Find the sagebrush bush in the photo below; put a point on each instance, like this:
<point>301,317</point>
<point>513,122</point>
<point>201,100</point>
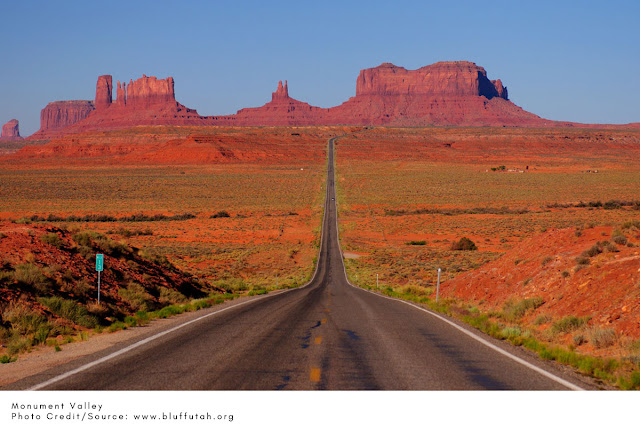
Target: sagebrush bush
<point>136,296</point>
<point>514,310</point>
<point>52,239</point>
<point>464,244</point>
<point>568,324</point>
<point>87,239</point>
<point>220,214</point>
<point>31,275</point>
<point>542,319</point>
<point>602,337</point>
<point>169,296</point>
<point>620,240</point>
<point>23,320</point>
<point>70,310</point>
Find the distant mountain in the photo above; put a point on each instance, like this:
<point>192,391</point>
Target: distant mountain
<point>453,93</point>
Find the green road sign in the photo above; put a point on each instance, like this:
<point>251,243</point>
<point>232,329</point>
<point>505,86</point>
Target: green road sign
<point>99,262</point>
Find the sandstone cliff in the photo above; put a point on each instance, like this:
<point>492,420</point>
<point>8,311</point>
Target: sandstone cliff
<point>447,79</point>
<point>104,89</point>
<point>281,93</point>
<point>453,93</point>
<point>61,114</point>
<point>148,91</point>
<point>11,131</point>
<point>121,99</point>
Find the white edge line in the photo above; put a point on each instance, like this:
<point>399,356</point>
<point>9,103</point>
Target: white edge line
<point>182,325</point>
<point>492,346</point>
<point>140,343</point>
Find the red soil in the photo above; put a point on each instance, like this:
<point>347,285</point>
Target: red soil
<point>22,244</point>
<point>184,145</point>
<point>608,289</point>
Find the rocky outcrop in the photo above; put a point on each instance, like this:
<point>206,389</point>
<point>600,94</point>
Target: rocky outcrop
<point>61,114</point>
<point>501,90</point>
<point>281,111</point>
<point>121,99</point>
<point>149,91</point>
<point>11,131</point>
<point>454,93</point>
<point>104,89</point>
<point>444,79</point>
<point>281,93</point>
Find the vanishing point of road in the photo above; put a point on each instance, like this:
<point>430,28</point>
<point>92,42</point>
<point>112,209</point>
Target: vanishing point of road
<point>327,335</point>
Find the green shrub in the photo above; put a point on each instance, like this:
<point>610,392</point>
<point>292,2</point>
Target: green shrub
<point>200,304</point>
<point>581,260</point>
<point>142,318</point>
<point>7,359</point>
<point>579,339</point>
<point>513,310</point>
<point>568,324</point>
<point>511,332</point>
<point>70,310</point>
<point>416,290</point>
<point>131,321</point>
<point>31,275</point>
<point>170,310</point>
<point>620,240</point>
<point>417,243</point>
<point>18,344</point>
<point>598,248</point>
<point>88,239</point>
<point>546,260</point>
<point>169,296</point>
<point>542,319</point>
<point>42,334</point>
<point>220,214</point>
<point>631,224</point>
<point>464,244</point>
<point>154,257</point>
<point>52,239</point>
<point>602,338</point>
<point>136,296</point>
<point>117,326</point>
<point>23,320</point>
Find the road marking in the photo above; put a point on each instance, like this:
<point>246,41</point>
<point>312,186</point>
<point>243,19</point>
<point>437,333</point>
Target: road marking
<point>318,340</point>
<point>145,341</point>
<point>314,376</point>
<point>168,331</point>
<point>492,346</point>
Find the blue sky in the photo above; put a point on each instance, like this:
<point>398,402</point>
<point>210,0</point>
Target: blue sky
<point>577,61</point>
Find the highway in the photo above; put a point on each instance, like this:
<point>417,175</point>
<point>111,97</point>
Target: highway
<point>327,335</point>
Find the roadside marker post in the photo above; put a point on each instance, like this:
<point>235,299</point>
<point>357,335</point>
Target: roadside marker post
<point>377,282</point>
<point>438,286</point>
<point>99,268</point>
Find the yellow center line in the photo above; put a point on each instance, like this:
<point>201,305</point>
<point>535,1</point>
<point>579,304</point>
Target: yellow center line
<point>315,375</point>
<point>318,340</point>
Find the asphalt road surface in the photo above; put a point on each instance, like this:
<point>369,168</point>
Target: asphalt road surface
<point>325,335</point>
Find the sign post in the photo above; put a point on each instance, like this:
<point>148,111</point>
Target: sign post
<point>99,268</point>
<point>438,287</point>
